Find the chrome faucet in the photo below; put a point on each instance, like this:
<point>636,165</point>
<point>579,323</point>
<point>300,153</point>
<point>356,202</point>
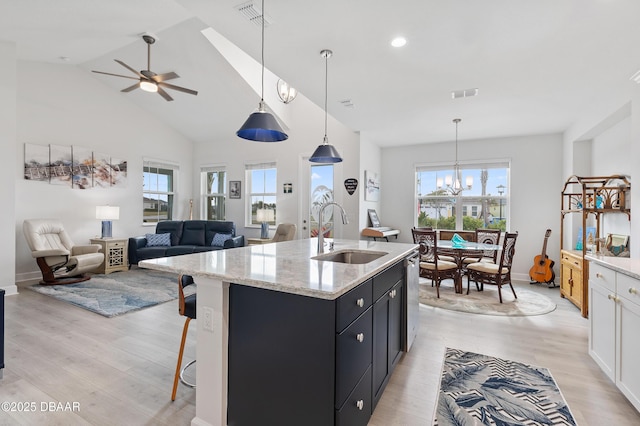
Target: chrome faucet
<point>345,220</point>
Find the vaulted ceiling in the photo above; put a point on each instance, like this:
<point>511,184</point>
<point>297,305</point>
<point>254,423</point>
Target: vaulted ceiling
<point>539,65</point>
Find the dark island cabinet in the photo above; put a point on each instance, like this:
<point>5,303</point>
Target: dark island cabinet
<point>298,360</point>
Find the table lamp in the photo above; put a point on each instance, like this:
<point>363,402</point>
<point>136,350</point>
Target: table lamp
<point>107,214</point>
<point>265,216</point>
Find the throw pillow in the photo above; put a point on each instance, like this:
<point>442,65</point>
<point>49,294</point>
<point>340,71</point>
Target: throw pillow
<point>219,239</point>
<point>157,240</point>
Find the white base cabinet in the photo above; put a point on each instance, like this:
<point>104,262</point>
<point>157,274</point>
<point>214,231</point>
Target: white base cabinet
<point>614,315</point>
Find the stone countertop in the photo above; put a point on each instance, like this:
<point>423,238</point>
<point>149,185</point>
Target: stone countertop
<point>286,266</point>
<point>624,265</point>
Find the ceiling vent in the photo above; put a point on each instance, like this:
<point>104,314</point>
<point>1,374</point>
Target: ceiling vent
<point>466,93</point>
<point>252,13</point>
<point>347,103</point>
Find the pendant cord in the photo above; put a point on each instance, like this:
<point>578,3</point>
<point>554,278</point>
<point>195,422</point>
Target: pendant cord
<point>262,58</point>
<point>326,90</point>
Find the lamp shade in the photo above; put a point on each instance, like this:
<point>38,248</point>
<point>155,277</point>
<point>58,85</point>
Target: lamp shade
<point>325,153</point>
<point>107,212</point>
<point>261,126</point>
<point>265,215</point>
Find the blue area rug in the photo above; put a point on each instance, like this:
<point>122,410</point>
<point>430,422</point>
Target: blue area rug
<point>116,293</point>
<point>480,389</point>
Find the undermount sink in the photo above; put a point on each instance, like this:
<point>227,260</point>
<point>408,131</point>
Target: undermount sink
<point>354,257</point>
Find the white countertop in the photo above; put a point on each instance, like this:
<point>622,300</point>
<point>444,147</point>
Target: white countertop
<point>624,265</point>
<point>286,266</point>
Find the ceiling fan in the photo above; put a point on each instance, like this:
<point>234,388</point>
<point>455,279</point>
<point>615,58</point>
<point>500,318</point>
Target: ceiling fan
<point>148,80</point>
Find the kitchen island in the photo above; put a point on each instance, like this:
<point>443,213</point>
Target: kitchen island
<point>286,339</point>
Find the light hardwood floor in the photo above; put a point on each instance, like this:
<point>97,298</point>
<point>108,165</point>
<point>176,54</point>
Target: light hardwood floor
<point>120,370</point>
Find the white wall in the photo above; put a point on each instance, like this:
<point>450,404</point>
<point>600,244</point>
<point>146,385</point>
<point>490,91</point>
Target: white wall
<point>8,169</point>
<point>536,178</point>
<point>371,160</point>
<point>306,131</point>
<point>65,105</point>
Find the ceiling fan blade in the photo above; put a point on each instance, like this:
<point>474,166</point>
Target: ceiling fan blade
<point>115,75</point>
<point>164,94</point>
<point>129,68</point>
<point>130,88</point>
<point>166,76</point>
<point>178,88</point>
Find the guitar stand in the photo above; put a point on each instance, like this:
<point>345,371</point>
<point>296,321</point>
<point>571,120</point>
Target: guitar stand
<point>550,284</point>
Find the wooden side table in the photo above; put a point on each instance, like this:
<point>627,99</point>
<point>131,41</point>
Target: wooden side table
<point>253,241</point>
<point>115,254</point>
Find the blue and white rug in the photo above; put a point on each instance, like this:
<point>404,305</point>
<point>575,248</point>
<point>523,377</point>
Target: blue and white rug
<point>480,389</point>
<point>116,293</point>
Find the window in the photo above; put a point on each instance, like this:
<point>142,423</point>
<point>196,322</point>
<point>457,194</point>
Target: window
<point>321,191</point>
<point>213,183</point>
<point>485,205</point>
<point>158,190</point>
<point>261,191</point>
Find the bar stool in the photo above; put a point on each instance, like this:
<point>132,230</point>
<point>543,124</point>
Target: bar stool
<point>187,308</point>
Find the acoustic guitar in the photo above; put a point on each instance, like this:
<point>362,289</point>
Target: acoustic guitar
<point>542,269</point>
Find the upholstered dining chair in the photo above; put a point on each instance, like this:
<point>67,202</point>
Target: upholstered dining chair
<point>59,260</point>
<point>284,232</point>
<point>186,308</point>
<point>484,236</point>
<point>430,266</point>
<point>495,273</point>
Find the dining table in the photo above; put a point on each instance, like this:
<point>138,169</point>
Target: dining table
<point>462,250</point>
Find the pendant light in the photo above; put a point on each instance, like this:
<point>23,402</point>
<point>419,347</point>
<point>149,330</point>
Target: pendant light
<point>454,183</point>
<point>325,153</point>
<point>261,126</point>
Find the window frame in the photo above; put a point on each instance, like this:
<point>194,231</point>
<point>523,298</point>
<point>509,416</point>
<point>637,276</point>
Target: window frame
<point>205,171</point>
<point>147,165</point>
<point>456,204</point>
<point>250,168</point>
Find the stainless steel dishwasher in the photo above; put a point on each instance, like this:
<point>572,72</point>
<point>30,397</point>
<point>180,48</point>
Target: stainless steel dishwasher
<point>412,303</point>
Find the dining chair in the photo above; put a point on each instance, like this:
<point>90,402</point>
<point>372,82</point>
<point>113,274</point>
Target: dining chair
<point>484,236</point>
<point>430,266</point>
<point>284,232</point>
<point>495,273</point>
<point>186,308</point>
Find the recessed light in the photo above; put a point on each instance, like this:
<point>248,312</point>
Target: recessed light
<point>398,42</point>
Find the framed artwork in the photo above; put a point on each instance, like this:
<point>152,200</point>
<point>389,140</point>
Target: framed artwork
<point>118,170</point>
<point>235,187</point>
<point>101,170</point>
<point>372,186</point>
<point>373,217</point>
<point>81,165</point>
<point>60,165</point>
<point>36,162</point>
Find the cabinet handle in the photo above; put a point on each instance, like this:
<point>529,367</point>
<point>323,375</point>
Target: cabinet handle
<point>393,293</point>
<point>360,404</point>
<point>612,297</point>
<point>360,302</point>
<point>599,275</point>
<point>633,290</point>
<point>360,337</point>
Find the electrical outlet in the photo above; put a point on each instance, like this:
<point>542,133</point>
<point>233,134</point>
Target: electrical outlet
<point>207,317</point>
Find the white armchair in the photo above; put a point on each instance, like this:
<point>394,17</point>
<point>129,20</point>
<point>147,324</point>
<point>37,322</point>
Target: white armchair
<point>60,261</point>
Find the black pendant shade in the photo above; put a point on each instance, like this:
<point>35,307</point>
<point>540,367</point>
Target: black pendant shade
<point>325,153</point>
<point>261,126</point>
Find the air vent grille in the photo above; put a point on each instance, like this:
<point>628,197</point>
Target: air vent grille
<point>466,93</point>
<point>253,14</point>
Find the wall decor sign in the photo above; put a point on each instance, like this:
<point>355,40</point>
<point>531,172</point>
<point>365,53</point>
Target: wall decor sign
<point>372,186</point>
<point>73,166</point>
<point>350,185</point>
<point>287,188</point>
<point>235,187</point>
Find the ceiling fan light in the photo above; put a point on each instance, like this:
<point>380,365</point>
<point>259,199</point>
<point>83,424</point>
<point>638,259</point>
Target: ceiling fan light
<point>149,86</point>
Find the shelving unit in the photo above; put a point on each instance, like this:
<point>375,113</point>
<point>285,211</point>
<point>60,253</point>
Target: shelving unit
<point>587,196</point>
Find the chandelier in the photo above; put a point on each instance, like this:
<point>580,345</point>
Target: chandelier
<point>453,184</point>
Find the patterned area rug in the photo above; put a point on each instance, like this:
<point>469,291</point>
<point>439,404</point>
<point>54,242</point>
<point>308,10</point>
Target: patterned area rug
<point>485,302</point>
<point>480,389</point>
<point>116,293</point>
